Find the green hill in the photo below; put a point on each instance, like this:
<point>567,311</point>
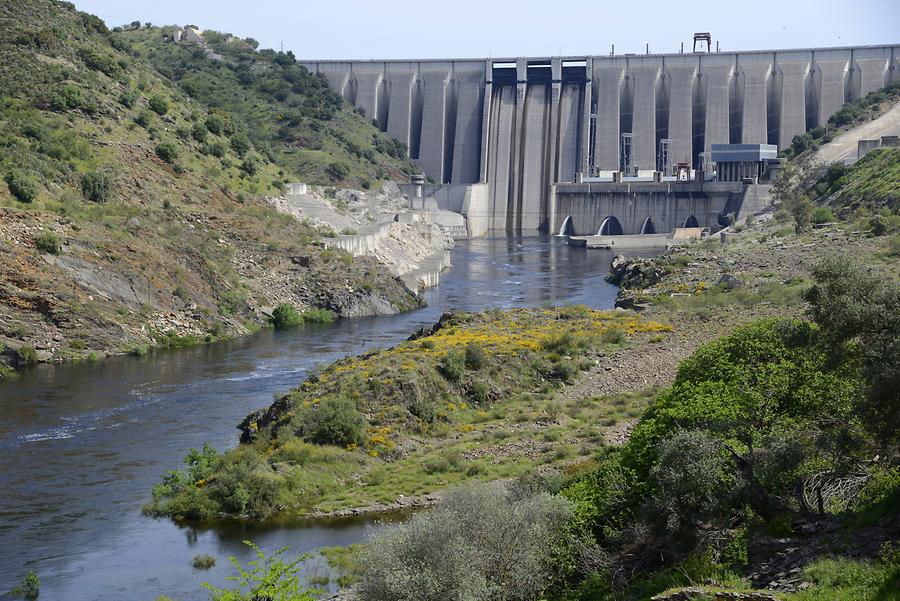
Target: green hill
<point>132,214</point>
<point>289,114</point>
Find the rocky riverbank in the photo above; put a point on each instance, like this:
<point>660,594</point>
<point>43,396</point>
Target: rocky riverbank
<point>131,280</point>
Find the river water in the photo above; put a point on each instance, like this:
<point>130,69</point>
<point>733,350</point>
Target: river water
<point>81,445</point>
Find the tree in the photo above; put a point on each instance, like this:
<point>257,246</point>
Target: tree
<point>802,210</point>
<point>856,310</point>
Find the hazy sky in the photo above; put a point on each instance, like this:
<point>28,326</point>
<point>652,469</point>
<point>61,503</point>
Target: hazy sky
<point>489,28</point>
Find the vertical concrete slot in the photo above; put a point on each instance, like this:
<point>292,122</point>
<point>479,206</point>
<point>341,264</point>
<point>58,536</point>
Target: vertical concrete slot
<point>415,119</point>
<point>663,101</point>
<point>736,108</point>
<point>773,105</point>
<point>382,104</point>
<point>452,104</point>
<point>698,109</point>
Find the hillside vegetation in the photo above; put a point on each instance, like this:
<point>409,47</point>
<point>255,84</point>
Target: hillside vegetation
<point>131,214</point>
<point>289,114</point>
<point>471,399</point>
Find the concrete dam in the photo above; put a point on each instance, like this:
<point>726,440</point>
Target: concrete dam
<point>522,125</point>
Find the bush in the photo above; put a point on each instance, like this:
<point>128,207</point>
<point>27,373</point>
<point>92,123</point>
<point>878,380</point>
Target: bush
<point>476,358</point>
<point>97,186</point>
<point>337,171</point>
<point>158,104</point>
<point>167,151</point>
<point>802,210</point>
<point>692,479</point>
<point>483,542</point>
<point>21,186</point>
<point>215,124</point>
<point>129,97</point>
<point>199,132</point>
<point>822,215</point>
<point>216,149</point>
<point>335,420</point>
<point>879,225</point>
<point>203,561</point>
<point>856,310</point>
<point>144,118</point>
<point>453,366</point>
<point>49,243</point>
<point>285,316</point>
<point>240,144</point>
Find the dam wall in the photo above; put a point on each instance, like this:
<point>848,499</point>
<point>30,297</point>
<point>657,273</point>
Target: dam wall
<point>644,208</point>
<point>521,125</point>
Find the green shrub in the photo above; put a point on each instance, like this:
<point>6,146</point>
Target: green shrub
<point>337,171</point>
<point>240,144</point>
<point>250,165</point>
<point>129,97</point>
<point>285,316</point>
<point>879,225</point>
<point>21,186</point>
<point>483,542</point>
<point>476,358</point>
<point>453,366</point>
<point>199,132</point>
<point>216,149</point>
<point>144,118</point>
<point>203,561</point>
<point>802,210</point>
<point>167,151</point>
<point>822,215</point>
<point>158,104</point>
<point>96,186</point>
<point>334,421</point>
<point>266,577</point>
<point>215,124</point>
<point>49,243</point>
<point>692,480</point>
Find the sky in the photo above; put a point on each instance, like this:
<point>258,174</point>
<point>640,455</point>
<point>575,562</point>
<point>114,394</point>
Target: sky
<point>343,29</point>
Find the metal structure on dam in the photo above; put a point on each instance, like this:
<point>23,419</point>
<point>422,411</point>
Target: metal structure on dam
<point>521,125</point>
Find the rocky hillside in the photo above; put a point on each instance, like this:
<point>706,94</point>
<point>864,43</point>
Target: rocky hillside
<point>132,216</point>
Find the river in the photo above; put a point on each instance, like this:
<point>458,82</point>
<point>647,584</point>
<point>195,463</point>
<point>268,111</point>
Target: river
<point>82,444</point>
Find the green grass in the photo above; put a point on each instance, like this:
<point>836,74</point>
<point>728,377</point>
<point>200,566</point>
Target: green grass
<point>842,579</point>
